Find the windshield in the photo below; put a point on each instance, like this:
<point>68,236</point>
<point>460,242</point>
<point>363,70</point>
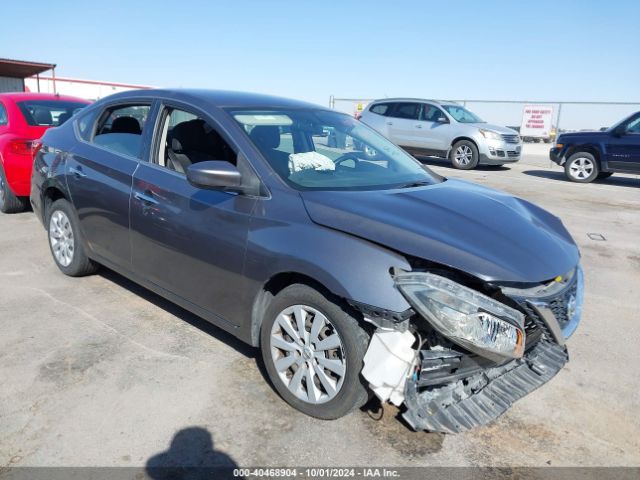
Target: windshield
<point>49,113</point>
<point>461,114</point>
<point>324,150</point>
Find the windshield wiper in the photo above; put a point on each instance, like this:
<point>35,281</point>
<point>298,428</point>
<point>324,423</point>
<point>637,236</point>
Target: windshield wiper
<point>420,183</point>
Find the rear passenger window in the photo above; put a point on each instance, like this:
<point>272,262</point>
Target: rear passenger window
<point>380,109</point>
<point>406,110</point>
<point>120,129</point>
<point>85,124</point>
<point>185,139</point>
<point>3,115</point>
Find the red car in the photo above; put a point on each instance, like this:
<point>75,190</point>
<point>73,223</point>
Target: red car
<point>23,119</point>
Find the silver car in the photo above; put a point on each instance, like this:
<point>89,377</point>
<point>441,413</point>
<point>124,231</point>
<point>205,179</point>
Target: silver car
<point>443,129</point>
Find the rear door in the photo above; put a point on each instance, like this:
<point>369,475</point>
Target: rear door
<point>99,173</point>
<point>402,121</point>
<point>623,151</point>
<point>187,240</point>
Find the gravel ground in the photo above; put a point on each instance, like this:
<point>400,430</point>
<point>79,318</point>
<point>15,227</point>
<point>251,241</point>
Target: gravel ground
<point>99,372</point>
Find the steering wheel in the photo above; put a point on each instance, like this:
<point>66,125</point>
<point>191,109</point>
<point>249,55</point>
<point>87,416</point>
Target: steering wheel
<point>346,156</point>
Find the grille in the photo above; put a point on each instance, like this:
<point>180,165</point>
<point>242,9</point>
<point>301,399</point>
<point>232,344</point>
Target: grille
<point>560,305</point>
<point>534,328</point>
<point>513,153</point>
<point>511,138</point>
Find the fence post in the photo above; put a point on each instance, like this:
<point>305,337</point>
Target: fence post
<point>558,120</point>
<point>332,102</point>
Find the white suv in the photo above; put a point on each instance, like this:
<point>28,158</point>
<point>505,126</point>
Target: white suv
<point>443,129</point>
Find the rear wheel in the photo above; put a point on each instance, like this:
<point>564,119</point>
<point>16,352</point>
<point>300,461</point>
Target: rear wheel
<point>65,240</point>
<point>313,350</point>
<point>464,155</point>
<point>9,202</point>
<point>581,167</point>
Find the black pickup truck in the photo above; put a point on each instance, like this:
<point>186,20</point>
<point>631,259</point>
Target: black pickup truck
<point>590,155</point>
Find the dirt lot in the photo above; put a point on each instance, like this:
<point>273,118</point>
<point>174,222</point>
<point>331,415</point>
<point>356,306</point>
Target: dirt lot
<point>97,371</point>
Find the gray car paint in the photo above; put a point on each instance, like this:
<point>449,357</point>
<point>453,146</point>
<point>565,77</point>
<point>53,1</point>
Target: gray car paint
<point>213,252</point>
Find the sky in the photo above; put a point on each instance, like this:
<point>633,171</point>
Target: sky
<point>579,50</point>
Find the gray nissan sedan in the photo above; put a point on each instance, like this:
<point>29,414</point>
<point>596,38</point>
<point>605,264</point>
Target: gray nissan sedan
<point>354,268</point>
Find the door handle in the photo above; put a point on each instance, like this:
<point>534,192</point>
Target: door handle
<point>77,172</point>
<point>146,197</point>
<point>389,123</point>
<point>419,125</point>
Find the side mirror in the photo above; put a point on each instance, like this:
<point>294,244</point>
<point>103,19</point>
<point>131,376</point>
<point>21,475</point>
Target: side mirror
<point>620,130</point>
<point>214,174</point>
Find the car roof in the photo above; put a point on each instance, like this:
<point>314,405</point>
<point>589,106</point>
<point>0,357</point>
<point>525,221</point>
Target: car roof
<point>217,98</point>
<point>408,99</point>
<point>22,96</point>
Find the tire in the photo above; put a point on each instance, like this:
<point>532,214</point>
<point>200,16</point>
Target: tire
<point>582,167</point>
<point>349,392</point>
<point>66,242</point>
<point>464,155</point>
<point>603,175</point>
<point>9,202</point>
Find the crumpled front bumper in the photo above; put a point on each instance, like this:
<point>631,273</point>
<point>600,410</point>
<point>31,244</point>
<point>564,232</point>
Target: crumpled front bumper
<point>483,396</point>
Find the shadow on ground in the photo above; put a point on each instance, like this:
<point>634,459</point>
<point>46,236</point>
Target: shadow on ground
<point>191,455</point>
<point>614,180</point>
<point>443,162</point>
<point>385,423</point>
<point>179,312</point>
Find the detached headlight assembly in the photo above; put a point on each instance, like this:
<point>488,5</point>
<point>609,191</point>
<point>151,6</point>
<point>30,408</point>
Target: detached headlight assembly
<point>488,134</point>
<point>466,317</point>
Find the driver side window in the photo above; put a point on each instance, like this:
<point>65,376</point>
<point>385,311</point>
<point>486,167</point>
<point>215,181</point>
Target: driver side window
<point>431,113</point>
<point>634,126</point>
<point>186,138</point>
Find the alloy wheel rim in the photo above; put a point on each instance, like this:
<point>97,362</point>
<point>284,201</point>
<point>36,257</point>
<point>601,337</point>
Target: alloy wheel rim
<point>61,238</point>
<point>308,354</point>
<point>463,155</point>
<point>581,168</point>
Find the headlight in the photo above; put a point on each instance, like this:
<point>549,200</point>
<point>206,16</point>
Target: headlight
<point>488,134</point>
<point>466,317</point>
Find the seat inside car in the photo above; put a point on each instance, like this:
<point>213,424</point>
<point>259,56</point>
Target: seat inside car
<point>267,137</point>
<point>42,116</point>
<point>194,141</point>
<point>126,125</point>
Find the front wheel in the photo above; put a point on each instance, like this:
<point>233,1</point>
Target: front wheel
<point>464,155</point>
<point>581,167</point>
<point>313,350</point>
<point>65,240</point>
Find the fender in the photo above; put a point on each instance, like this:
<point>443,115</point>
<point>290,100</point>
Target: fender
<point>349,267</point>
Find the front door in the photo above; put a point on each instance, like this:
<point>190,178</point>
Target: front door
<point>623,151</point>
<point>433,136</point>
<point>187,240</point>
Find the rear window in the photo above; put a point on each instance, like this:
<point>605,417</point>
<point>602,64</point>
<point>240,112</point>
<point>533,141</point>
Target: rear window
<point>3,115</point>
<point>48,113</point>
<point>380,108</point>
<point>406,110</point>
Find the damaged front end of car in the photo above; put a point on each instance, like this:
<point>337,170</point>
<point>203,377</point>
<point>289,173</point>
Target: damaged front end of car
<point>467,350</point>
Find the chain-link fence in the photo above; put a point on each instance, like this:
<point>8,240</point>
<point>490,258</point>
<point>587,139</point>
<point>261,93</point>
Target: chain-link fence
<point>567,116</point>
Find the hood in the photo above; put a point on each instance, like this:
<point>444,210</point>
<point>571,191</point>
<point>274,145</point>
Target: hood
<point>590,134</point>
<point>493,128</point>
<point>486,233</point>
